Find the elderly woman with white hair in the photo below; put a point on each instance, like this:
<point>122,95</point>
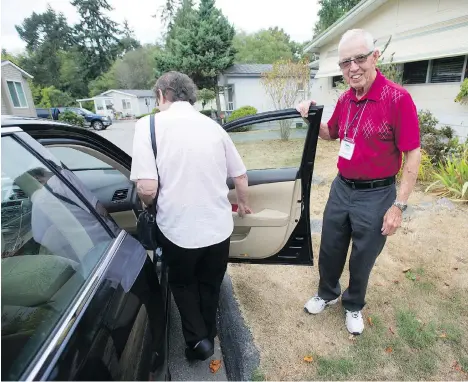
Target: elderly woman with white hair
<point>377,122</point>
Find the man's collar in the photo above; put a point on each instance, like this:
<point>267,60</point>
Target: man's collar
<point>180,105</point>
<point>375,90</point>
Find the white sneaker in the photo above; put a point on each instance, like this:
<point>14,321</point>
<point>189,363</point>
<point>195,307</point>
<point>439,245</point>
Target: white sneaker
<point>317,304</point>
<point>354,322</point>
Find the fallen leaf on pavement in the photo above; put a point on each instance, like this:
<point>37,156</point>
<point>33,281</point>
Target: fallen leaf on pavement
<point>369,320</point>
<point>391,330</point>
<point>455,268</point>
<point>389,350</point>
<point>215,365</point>
<point>309,358</point>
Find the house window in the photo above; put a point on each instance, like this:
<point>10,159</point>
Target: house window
<point>126,104</point>
<point>448,69</point>
<point>415,72</point>
<point>109,104</point>
<point>230,98</point>
<point>17,94</point>
<point>336,79</point>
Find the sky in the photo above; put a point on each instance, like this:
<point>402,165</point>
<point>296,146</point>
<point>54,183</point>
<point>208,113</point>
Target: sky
<point>296,17</point>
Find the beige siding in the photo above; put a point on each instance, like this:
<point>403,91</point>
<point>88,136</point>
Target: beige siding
<point>10,73</point>
<point>416,18</point>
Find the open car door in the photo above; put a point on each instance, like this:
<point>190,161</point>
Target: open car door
<point>279,153</point>
<point>279,171</point>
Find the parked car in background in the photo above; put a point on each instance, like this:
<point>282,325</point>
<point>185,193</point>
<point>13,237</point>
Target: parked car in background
<point>96,121</point>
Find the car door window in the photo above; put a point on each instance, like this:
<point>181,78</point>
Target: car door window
<point>271,144</point>
<point>51,243</point>
<point>93,172</point>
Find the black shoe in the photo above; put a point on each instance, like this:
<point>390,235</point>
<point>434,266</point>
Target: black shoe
<point>201,351</point>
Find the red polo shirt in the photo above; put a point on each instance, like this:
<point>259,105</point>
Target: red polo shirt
<point>384,123</point>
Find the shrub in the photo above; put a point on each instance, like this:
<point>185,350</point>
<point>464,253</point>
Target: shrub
<point>154,111</point>
<point>425,171</point>
<point>462,96</point>
<point>433,140</point>
<point>72,118</point>
<point>452,175</point>
<point>243,111</point>
<point>206,112</point>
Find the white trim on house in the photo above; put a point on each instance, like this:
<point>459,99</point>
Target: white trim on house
<point>359,12</point>
<point>116,91</point>
<point>7,62</point>
<point>17,95</point>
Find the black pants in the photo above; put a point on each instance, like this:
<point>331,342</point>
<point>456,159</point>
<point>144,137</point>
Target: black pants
<point>357,215</point>
<point>148,290</point>
<point>195,277</point>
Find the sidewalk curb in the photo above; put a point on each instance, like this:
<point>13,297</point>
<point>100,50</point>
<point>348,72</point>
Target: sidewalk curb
<point>241,357</point>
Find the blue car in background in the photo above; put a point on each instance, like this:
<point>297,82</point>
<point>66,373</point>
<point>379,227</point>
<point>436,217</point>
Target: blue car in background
<point>96,121</point>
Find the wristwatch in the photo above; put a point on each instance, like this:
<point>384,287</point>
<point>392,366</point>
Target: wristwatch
<point>400,205</point>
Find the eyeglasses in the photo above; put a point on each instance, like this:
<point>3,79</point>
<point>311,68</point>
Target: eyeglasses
<point>361,59</point>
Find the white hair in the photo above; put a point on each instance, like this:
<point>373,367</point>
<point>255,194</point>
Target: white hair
<point>354,34</point>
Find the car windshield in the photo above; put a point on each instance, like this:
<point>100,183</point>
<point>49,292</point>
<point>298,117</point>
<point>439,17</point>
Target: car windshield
<point>87,112</point>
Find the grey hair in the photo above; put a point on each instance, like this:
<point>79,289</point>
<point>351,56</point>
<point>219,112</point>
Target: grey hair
<point>176,86</point>
<point>353,34</point>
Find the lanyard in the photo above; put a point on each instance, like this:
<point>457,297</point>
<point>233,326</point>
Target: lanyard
<point>347,126</point>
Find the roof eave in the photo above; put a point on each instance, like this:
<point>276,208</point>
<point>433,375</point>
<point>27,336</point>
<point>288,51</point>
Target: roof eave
<point>8,62</point>
<point>364,8</point>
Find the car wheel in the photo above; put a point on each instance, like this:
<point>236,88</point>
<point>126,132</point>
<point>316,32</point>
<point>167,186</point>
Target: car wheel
<point>97,125</point>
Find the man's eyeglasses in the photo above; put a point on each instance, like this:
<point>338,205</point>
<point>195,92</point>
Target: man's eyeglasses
<point>361,59</point>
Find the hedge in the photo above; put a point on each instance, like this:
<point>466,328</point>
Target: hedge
<point>240,113</point>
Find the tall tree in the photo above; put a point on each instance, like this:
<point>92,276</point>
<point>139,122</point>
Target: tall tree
<point>199,43</point>
<point>263,47</point>
<point>46,35</point>
<point>134,71</point>
<point>97,35</point>
<point>128,42</point>
<point>330,11</point>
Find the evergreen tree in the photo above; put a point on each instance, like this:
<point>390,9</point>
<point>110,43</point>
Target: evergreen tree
<point>97,35</point>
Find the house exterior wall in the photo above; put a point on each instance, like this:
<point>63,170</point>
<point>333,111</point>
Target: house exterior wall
<point>415,17</point>
<point>249,91</point>
<point>142,108</point>
<point>117,99</point>
<point>10,73</point>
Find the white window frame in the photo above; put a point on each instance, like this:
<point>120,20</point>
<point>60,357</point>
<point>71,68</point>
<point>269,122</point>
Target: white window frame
<point>17,95</point>
<point>124,102</point>
<point>429,73</point>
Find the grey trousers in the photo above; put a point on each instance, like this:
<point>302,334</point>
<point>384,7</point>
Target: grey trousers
<point>355,215</point>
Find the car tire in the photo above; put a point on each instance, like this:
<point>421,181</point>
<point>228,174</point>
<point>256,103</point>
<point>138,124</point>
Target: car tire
<point>97,125</point>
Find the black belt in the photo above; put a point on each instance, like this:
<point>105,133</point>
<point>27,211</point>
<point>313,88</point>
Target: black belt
<point>363,184</point>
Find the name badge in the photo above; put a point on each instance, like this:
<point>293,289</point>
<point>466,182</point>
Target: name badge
<point>347,148</point>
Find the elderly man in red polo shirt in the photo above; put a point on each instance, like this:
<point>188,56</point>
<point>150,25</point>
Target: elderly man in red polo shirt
<point>376,121</point>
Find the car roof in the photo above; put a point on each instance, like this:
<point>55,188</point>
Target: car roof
<point>26,122</point>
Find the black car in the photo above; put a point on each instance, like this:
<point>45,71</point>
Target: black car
<point>73,289</point>
<point>96,121</point>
